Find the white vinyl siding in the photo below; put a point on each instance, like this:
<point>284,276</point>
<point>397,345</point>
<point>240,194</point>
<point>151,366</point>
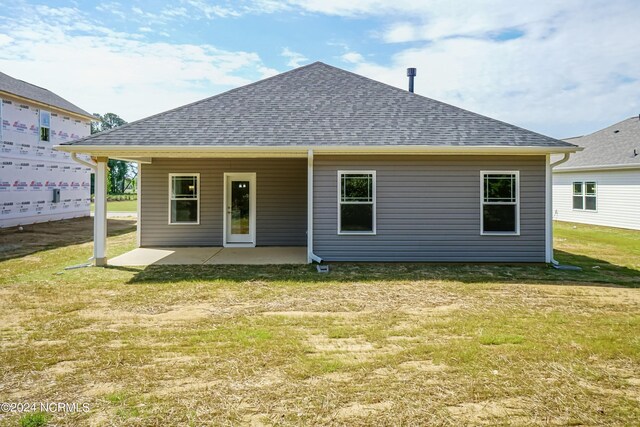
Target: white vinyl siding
<point>617,193</point>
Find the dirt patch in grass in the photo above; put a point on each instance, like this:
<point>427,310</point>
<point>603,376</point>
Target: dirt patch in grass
<point>62,368</point>
<point>324,344</point>
<point>359,410</point>
<point>47,235</point>
<point>180,387</point>
<point>122,318</point>
<point>422,365</point>
<point>340,314</point>
<point>489,411</point>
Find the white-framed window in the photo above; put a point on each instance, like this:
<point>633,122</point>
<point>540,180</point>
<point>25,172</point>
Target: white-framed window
<point>500,202</point>
<point>585,196</point>
<point>356,202</point>
<point>45,125</point>
<point>184,198</point>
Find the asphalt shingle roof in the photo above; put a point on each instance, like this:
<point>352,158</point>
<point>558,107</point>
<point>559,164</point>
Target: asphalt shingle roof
<point>613,145</point>
<point>37,93</point>
<point>319,105</point>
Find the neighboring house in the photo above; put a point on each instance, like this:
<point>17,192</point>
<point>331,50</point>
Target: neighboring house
<point>601,185</point>
<point>38,183</point>
<point>353,169</point>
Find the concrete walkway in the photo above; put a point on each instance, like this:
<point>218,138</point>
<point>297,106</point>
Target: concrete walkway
<point>209,255</point>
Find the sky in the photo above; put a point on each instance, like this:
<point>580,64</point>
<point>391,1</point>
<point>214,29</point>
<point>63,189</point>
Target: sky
<point>561,68</point>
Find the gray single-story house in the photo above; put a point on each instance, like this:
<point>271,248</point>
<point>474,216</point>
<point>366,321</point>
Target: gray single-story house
<point>351,168</point>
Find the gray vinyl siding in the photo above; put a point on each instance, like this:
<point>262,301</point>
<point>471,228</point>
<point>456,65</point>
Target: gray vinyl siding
<point>428,209</point>
<point>281,201</point>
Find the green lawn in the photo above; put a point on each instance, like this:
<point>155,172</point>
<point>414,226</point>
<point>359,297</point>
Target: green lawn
<point>122,206</point>
<point>597,247</point>
<point>382,344</point>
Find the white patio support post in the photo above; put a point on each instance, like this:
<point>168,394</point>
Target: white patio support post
<point>139,203</point>
<point>310,206</point>
<point>548,213</point>
<point>100,217</point>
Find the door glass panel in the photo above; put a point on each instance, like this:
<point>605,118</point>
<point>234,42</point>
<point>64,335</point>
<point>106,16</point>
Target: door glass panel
<point>240,207</point>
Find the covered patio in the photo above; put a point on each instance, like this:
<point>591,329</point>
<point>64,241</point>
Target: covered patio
<point>270,228</point>
<point>212,256</point>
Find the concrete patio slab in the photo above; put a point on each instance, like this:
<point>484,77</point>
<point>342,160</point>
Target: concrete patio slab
<point>261,255</point>
<point>211,255</point>
<point>164,256</point>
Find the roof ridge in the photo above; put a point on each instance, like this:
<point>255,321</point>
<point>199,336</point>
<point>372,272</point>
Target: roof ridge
<point>200,101</point>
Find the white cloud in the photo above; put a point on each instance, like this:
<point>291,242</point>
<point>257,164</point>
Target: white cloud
<point>105,71</point>
<point>5,40</point>
<point>556,67</point>
<point>175,12</point>
<point>267,6</point>
<point>295,59</point>
<point>354,7</point>
<point>114,8</point>
<point>352,57</point>
<point>565,75</point>
<point>212,10</point>
<point>400,32</point>
<point>267,72</point>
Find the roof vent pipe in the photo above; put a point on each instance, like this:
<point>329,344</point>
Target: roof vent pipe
<point>411,73</point>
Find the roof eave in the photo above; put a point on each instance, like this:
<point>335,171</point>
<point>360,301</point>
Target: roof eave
<point>302,150</point>
<point>623,166</point>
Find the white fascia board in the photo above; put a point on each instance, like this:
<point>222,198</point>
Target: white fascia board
<point>595,168</point>
<point>301,151</point>
<point>143,160</point>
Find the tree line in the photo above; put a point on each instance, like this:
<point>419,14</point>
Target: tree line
<point>121,175</point>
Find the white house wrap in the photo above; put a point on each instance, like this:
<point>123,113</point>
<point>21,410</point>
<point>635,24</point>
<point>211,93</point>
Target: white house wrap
<point>30,170</point>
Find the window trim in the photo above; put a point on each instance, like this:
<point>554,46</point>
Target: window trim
<point>40,127</point>
<point>517,203</point>
<point>170,197</point>
<point>584,195</point>
<point>373,231</point>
